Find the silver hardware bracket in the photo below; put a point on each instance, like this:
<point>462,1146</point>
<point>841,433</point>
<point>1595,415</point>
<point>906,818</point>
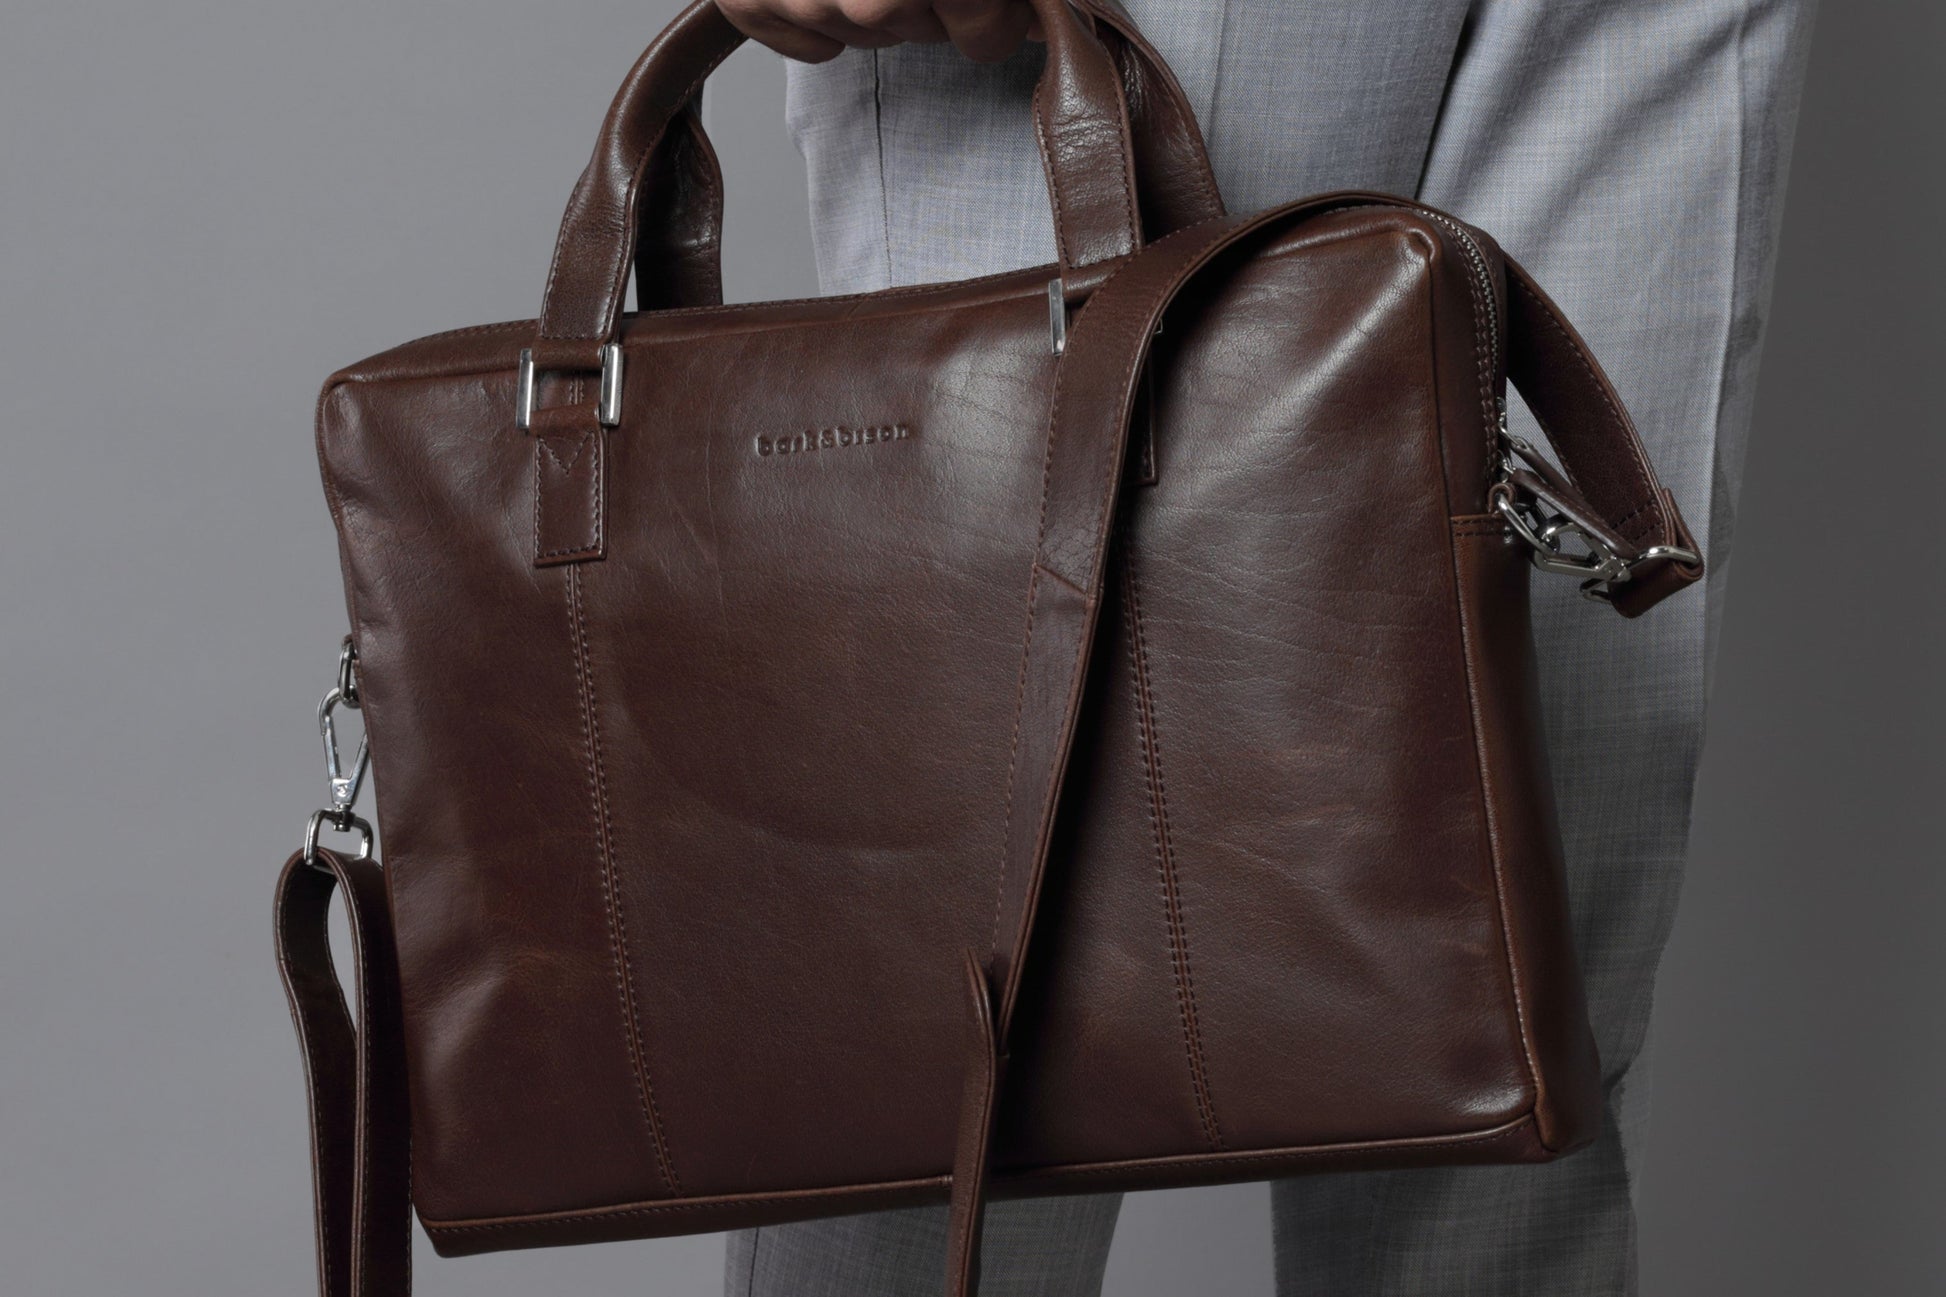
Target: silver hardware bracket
<point>1599,567</point>
<point>344,787</point>
<point>609,407</point>
<point>1057,315</point>
<point>346,823</point>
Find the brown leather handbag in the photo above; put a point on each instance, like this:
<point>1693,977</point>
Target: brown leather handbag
<point>1063,731</point>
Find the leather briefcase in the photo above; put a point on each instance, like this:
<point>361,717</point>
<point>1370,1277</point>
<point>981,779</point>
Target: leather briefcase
<point>1063,731</point>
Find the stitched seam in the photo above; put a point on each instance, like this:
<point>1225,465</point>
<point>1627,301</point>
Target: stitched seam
<point>1105,493</point>
<point>1048,801</point>
<point>319,1193</point>
<point>361,1234</point>
<point>1013,755</point>
<point>1057,1173</point>
<point>591,542</point>
<point>1222,235</point>
<point>1053,187</point>
<point>1490,824</point>
<point>1151,748</point>
<point>408,1192</point>
<point>566,465</point>
<point>611,900</point>
<point>1134,84</point>
<point>464,367</point>
<point>561,239</point>
<point>1482,359</point>
<point>1127,159</point>
<point>1628,438</point>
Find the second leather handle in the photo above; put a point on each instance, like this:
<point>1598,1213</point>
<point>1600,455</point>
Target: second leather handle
<point>679,219</point>
<point>1080,119</point>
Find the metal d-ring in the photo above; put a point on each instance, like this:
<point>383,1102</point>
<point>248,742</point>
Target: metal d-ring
<point>341,822</point>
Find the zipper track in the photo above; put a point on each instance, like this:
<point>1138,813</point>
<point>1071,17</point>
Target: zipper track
<point>1483,277</point>
<point>1493,406</point>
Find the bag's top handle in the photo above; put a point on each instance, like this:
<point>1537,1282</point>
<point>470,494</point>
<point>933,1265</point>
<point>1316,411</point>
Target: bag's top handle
<point>679,214</point>
<point>1080,120</point>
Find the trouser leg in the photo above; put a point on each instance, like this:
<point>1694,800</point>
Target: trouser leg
<point>1052,1247</point>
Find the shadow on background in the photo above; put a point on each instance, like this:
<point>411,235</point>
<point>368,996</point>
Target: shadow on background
<point>1797,1144</point>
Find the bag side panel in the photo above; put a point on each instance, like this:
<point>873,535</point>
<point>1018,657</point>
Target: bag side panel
<point>521,1082</point>
<point>1493,578</point>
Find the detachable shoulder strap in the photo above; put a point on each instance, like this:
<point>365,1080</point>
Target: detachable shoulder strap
<point>356,1072</point>
<point>1608,477</point>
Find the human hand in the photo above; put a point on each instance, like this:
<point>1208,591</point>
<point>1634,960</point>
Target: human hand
<point>814,31</point>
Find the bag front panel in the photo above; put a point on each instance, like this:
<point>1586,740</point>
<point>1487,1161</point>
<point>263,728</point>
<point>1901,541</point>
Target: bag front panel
<point>805,664</point>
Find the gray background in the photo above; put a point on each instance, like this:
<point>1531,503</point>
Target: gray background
<point>206,205</point>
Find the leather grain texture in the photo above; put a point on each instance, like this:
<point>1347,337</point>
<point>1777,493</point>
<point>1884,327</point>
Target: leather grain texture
<point>847,781</point>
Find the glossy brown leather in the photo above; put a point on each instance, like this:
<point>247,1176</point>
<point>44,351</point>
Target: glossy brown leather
<point>837,787</point>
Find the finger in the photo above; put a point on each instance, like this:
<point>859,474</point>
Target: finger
<point>787,38</point>
<point>907,20</point>
<point>986,31</point>
<point>879,28</point>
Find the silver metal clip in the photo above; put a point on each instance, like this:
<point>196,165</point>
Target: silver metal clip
<point>1057,315</point>
<point>1587,557</point>
<point>345,786</point>
<point>608,410</point>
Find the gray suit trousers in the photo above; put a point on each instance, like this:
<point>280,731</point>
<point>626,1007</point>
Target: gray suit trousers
<point>1632,153</point>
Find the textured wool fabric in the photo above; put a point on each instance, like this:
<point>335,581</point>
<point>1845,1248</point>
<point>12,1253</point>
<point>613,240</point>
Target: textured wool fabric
<point>1632,154</point>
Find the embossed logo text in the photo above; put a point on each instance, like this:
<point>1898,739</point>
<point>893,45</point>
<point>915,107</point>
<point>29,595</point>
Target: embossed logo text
<point>831,439</point>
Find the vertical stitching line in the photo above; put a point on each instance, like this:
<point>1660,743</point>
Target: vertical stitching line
<point>1053,186</point>
<point>1482,358</point>
<point>1192,1036</point>
<point>611,900</point>
<point>1013,759</point>
<point>360,1235</point>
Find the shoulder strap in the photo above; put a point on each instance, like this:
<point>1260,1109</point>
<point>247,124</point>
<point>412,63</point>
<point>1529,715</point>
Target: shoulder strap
<point>356,1072</point>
